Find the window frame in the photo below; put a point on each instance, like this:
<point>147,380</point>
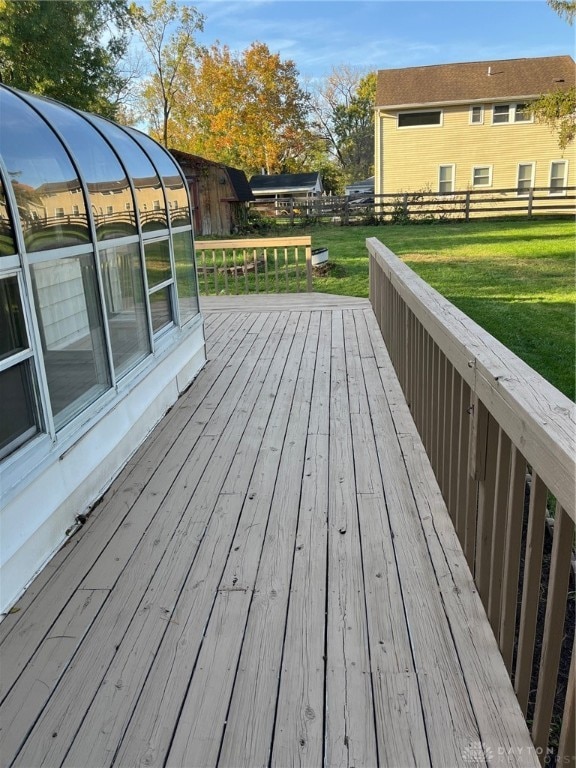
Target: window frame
<point>471,114</point>
<point>562,192</point>
<point>419,111</point>
<point>512,109</point>
<point>532,164</point>
<point>482,186</point>
<point>452,166</point>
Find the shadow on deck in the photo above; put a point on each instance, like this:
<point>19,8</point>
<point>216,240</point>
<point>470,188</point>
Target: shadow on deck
<point>272,579</point>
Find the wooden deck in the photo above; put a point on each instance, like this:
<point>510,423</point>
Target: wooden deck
<point>272,580</point>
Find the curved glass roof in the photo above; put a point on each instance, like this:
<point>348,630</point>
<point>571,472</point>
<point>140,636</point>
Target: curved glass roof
<point>96,260</point>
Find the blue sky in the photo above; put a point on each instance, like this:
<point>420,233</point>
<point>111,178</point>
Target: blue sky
<point>376,34</point>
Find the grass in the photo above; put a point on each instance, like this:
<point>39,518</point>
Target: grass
<point>514,278</point>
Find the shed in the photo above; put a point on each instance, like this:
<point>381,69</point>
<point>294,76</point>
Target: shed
<point>364,187</point>
<point>219,194</point>
<point>287,185</point>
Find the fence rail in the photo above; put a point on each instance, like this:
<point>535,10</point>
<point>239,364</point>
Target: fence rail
<point>262,265</point>
<point>459,205</point>
<point>496,434</point>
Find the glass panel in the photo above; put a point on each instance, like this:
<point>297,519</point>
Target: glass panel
<point>13,337</point>
<point>19,421</point>
<point>144,176</point>
<point>501,113</point>
<point>161,308</point>
<point>557,171</point>
<point>44,180</point>
<point>524,177</point>
<point>521,114</point>
<point>185,276</point>
<point>476,114</point>
<point>72,334</point>
<point>175,191</point>
<point>418,118</point>
<point>158,268</point>
<point>125,306</point>
<point>107,183</point>
<point>481,177</point>
<point>7,247</point>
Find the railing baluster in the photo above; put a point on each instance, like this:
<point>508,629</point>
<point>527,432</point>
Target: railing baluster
<point>225,271</point>
<point>512,551</point>
<point>255,260</point>
<point>486,494</point>
<point>502,483</point>
<point>530,590</point>
<point>235,270</point>
<point>567,743</point>
<point>558,583</point>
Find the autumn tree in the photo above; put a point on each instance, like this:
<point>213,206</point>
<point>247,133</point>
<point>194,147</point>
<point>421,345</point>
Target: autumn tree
<point>565,8</point>
<point>66,49</point>
<point>343,114</point>
<point>245,109</point>
<point>168,31</point>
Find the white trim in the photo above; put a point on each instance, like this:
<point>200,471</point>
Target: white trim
<point>419,111</point>
<point>531,163</point>
<point>458,102</point>
<point>471,112</point>
<point>562,192</point>
<point>482,186</point>
<point>512,107</point>
<point>453,179</point>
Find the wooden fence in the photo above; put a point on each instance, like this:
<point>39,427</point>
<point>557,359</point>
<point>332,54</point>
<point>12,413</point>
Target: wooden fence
<point>419,206</point>
<point>501,441</point>
<point>262,265</point>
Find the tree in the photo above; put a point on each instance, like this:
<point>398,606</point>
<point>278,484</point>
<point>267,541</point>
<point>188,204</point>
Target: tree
<point>169,51</point>
<point>343,114</point>
<point>565,8</point>
<point>245,109</point>
<point>56,49</point>
<point>558,110</point>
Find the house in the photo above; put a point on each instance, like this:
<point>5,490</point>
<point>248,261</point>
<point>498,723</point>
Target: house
<point>219,194</point>
<point>455,127</point>
<point>101,328</point>
<point>364,187</point>
<point>286,186</point>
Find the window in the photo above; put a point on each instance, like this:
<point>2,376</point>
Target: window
<point>419,119</point>
<point>476,115</point>
<point>482,176</point>
<point>59,213</point>
<point>123,284</point>
<point>75,210</point>
<point>72,333</point>
<point>446,179</point>
<point>511,113</point>
<point>160,282</point>
<point>525,178</point>
<point>185,276</point>
<point>20,417</point>
<point>127,206</point>
<point>558,177</point>
<point>109,210</point>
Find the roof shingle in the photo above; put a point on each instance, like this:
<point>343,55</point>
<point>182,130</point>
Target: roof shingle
<point>477,80</point>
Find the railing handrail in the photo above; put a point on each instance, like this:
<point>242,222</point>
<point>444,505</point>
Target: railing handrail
<point>256,242</point>
<point>537,417</point>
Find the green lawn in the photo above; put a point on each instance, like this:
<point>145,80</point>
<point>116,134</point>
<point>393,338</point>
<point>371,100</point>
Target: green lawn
<point>514,278</point>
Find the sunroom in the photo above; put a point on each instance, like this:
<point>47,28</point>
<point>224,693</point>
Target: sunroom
<point>99,314</point>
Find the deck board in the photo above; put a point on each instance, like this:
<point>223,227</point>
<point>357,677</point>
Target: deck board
<point>273,579</point>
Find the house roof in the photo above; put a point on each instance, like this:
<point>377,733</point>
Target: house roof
<point>285,182</point>
<point>474,81</point>
<point>237,178</point>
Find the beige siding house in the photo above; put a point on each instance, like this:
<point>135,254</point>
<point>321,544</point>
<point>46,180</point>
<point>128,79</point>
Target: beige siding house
<point>455,127</point>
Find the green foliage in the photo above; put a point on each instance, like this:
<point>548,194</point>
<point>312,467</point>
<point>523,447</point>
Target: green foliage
<point>56,48</point>
<point>558,110</point>
<point>564,8</point>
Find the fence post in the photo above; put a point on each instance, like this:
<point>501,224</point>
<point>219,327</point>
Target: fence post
<point>530,201</point>
<point>467,206</point>
<point>291,211</point>
<point>405,204</point>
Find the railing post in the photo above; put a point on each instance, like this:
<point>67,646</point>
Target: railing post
<point>530,201</point>
<point>309,286</point>
<point>467,206</point>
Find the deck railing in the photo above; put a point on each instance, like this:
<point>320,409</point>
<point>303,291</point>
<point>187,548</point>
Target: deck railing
<point>260,265</point>
<point>501,441</point>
